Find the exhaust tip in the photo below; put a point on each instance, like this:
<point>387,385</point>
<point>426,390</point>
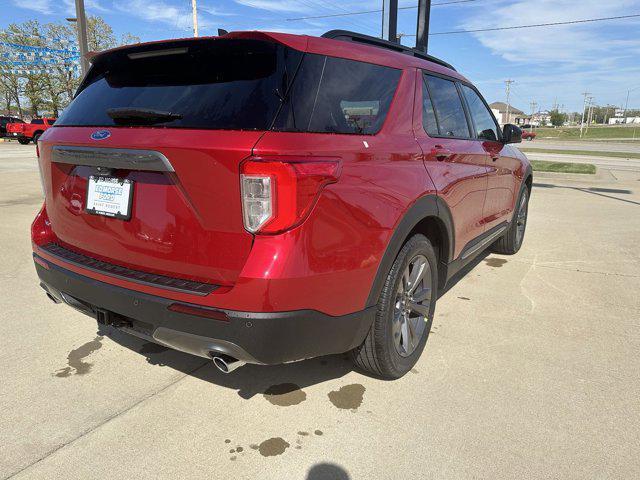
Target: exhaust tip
<point>226,363</point>
<point>52,298</point>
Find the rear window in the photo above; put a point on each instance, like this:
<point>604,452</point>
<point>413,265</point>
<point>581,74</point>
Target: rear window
<point>336,95</point>
<point>236,85</point>
<point>223,84</point>
<point>447,104</point>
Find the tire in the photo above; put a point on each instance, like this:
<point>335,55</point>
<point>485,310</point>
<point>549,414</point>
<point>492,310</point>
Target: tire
<point>511,241</point>
<point>394,343</point>
<point>23,140</point>
<point>35,138</point>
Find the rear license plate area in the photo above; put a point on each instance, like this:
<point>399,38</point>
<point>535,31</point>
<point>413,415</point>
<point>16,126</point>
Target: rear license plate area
<point>109,196</point>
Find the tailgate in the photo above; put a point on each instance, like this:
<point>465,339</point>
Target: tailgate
<point>185,219</point>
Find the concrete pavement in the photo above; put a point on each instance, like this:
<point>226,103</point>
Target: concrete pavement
<point>595,146</point>
<point>531,371</point>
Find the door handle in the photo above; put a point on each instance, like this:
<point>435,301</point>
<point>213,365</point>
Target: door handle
<point>441,153</point>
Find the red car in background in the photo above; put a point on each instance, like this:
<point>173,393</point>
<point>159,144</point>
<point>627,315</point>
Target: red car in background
<point>528,133</point>
<point>265,197</point>
<point>26,132</point>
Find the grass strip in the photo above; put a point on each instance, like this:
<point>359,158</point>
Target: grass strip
<point>563,167</point>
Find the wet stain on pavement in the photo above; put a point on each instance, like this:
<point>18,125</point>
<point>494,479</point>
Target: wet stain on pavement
<point>348,397</point>
<point>277,445</point>
<point>285,394</point>
<point>151,348</point>
<point>495,262</point>
<point>227,441</point>
<point>76,365</point>
<point>272,447</point>
<point>464,298</point>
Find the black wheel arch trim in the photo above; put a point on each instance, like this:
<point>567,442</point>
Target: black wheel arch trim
<point>425,207</point>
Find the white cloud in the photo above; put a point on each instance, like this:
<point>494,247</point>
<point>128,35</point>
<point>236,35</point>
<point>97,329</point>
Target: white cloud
<point>41,6</point>
<point>570,45</point>
<point>275,5</point>
<point>215,12</point>
<point>158,11</point>
<point>91,7</point>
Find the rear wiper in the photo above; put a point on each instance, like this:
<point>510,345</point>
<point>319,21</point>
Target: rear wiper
<point>145,116</point>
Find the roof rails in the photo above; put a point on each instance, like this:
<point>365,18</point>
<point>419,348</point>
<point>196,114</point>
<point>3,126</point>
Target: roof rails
<point>348,36</point>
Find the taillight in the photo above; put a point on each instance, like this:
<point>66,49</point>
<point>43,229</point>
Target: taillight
<point>278,193</point>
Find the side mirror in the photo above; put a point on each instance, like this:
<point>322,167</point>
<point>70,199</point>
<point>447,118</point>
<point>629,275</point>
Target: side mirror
<point>511,134</point>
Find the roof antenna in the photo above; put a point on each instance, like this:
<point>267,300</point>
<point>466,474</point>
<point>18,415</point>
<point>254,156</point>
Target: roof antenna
<point>422,32</point>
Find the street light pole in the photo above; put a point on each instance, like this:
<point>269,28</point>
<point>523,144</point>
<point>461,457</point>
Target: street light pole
<point>81,25</point>
<point>422,29</point>
<point>390,20</point>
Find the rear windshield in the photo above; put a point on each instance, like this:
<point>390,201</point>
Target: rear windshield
<point>236,85</point>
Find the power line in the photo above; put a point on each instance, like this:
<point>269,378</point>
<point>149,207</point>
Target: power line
<point>331,5</point>
<point>552,24</point>
<point>364,12</point>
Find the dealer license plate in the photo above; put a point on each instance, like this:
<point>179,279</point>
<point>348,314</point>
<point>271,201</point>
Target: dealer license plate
<point>110,197</point>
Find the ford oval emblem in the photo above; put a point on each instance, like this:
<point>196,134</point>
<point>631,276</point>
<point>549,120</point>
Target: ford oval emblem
<point>100,134</point>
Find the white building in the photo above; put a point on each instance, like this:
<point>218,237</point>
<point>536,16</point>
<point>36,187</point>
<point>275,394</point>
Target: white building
<point>623,121</point>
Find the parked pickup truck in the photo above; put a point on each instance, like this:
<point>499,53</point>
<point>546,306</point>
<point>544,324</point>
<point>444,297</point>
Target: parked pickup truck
<point>6,120</point>
<point>25,132</point>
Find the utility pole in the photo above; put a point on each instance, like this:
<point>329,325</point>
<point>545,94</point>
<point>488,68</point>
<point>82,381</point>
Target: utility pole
<point>81,26</point>
<point>422,29</point>
<point>194,10</point>
<point>534,105</point>
<point>590,111</point>
<point>390,20</point>
<point>508,82</point>
<point>626,105</point>
<point>584,106</point>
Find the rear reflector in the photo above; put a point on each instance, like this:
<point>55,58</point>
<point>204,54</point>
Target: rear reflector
<point>41,262</point>
<point>198,311</point>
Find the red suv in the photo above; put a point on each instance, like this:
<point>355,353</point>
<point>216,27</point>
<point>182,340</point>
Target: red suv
<point>266,198</point>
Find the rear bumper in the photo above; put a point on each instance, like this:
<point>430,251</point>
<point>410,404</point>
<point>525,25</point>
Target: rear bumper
<point>254,337</point>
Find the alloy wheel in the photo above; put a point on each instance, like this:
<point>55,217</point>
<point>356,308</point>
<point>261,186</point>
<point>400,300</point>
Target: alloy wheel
<point>521,219</point>
<point>412,306</point>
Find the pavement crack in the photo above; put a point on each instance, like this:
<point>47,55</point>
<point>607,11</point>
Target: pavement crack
<point>106,420</point>
<point>579,270</point>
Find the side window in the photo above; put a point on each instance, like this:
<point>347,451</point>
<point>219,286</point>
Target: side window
<point>336,95</point>
<point>452,121</point>
<point>37,121</point>
<point>486,128</point>
<point>429,121</point>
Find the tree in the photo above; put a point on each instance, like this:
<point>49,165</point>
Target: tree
<point>557,119</point>
<point>54,88</point>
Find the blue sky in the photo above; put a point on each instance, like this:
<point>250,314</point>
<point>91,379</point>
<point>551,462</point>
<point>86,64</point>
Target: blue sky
<point>546,63</point>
